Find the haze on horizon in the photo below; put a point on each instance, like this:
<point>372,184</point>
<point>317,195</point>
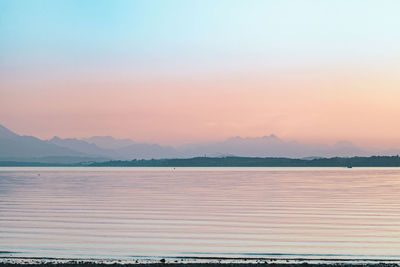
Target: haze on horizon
<point>174,72</point>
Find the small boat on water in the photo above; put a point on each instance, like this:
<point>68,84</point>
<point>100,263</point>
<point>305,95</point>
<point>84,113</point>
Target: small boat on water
<point>349,166</point>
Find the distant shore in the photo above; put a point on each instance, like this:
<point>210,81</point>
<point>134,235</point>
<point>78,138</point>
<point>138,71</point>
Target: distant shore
<point>373,161</point>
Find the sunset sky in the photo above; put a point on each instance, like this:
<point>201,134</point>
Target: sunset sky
<point>174,72</point>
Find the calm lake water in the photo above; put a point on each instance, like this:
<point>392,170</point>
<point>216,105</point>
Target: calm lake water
<point>123,213</point>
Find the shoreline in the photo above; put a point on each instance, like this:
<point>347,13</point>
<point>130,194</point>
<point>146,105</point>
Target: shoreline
<point>200,261</point>
<point>227,161</point>
<point>105,264</point>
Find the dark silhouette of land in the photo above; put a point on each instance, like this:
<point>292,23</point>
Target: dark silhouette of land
<point>374,161</point>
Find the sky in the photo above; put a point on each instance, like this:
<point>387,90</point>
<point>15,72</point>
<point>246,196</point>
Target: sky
<point>174,72</point>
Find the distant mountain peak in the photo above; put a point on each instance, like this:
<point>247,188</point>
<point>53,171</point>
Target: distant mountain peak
<point>271,137</point>
<point>55,138</point>
<point>109,142</point>
<point>14,145</point>
<point>7,133</point>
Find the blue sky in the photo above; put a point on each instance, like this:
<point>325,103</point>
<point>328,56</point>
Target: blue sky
<point>283,33</point>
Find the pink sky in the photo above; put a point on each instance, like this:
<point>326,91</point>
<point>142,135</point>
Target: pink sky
<point>312,106</point>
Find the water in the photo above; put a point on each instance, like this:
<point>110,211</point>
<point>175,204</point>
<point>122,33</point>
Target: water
<point>126,213</point>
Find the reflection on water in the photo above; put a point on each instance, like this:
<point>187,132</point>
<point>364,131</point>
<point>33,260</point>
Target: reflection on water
<point>127,212</point>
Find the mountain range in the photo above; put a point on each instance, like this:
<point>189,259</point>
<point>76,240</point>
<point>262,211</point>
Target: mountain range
<point>15,147</point>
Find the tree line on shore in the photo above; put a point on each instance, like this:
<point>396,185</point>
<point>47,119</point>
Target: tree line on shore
<point>374,161</point>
